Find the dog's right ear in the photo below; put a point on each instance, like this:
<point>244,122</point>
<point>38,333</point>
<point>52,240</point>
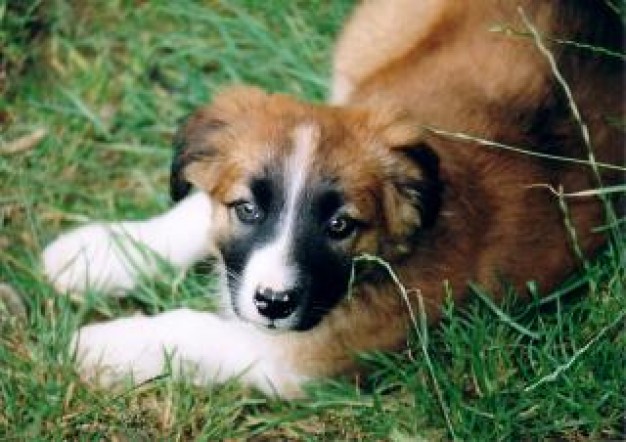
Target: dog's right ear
<point>191,143</point>
<point>203,134</point>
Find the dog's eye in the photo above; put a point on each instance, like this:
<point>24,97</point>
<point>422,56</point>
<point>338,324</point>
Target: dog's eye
<point>248,212</point>
<point>340,227</point>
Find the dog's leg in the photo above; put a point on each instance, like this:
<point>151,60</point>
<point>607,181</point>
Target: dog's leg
<point>211,349</point>
<point>199,346</point>
<point>111,257</point>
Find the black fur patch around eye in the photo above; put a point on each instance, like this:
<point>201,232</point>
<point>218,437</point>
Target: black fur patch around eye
<point>264,192</point>
<point>328,204</point>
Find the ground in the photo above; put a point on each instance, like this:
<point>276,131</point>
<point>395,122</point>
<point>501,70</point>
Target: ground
<point>90,95</point>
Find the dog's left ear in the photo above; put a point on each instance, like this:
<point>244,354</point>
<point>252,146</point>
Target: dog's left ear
<point>424,193</point>
<point>412,190</point>
<point>413,193</point>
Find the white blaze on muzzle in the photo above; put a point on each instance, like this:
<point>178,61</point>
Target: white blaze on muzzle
<point>272,268</point>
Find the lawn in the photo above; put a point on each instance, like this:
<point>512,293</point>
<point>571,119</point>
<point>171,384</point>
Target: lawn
<point>90,95</point>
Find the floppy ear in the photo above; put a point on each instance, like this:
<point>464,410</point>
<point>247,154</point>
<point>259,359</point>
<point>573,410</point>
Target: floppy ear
<point>203,132</point>
<point>191,143</point>
<point>412,195</point>
<point>425,192</point>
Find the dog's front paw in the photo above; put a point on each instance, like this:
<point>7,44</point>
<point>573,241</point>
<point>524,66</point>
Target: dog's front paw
<point>112,352</point>
<point>198,347</point>
<point>97,256</point>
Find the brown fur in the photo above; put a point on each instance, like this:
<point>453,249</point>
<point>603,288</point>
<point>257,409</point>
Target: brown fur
<point>447,69</point>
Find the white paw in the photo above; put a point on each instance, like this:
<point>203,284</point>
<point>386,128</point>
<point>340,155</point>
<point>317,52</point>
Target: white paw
<point>196,346</point>
<point>103,257</point>
<point>111,257</point>
<point>110,352</point>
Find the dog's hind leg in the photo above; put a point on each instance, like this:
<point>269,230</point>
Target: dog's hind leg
<point>112,257</point>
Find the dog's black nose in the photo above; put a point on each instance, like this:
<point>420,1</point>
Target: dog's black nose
<point>275,305</point>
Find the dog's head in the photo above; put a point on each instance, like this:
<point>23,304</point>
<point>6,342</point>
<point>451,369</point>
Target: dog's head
<point>300,190</point>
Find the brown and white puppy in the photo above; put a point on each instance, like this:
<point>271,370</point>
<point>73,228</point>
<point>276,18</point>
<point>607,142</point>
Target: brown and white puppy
<point>291,193</point>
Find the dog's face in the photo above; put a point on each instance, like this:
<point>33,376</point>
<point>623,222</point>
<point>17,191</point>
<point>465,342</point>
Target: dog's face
<point>299,191</point>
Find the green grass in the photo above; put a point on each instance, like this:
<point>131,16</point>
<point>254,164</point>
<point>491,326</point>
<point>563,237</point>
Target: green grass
<point>108,82</point>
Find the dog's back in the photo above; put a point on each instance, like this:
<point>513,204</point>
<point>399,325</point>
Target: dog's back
<point>476,67</point>
<point>471,72</point>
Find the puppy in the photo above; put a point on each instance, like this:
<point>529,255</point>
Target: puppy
<point>401,165</point>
